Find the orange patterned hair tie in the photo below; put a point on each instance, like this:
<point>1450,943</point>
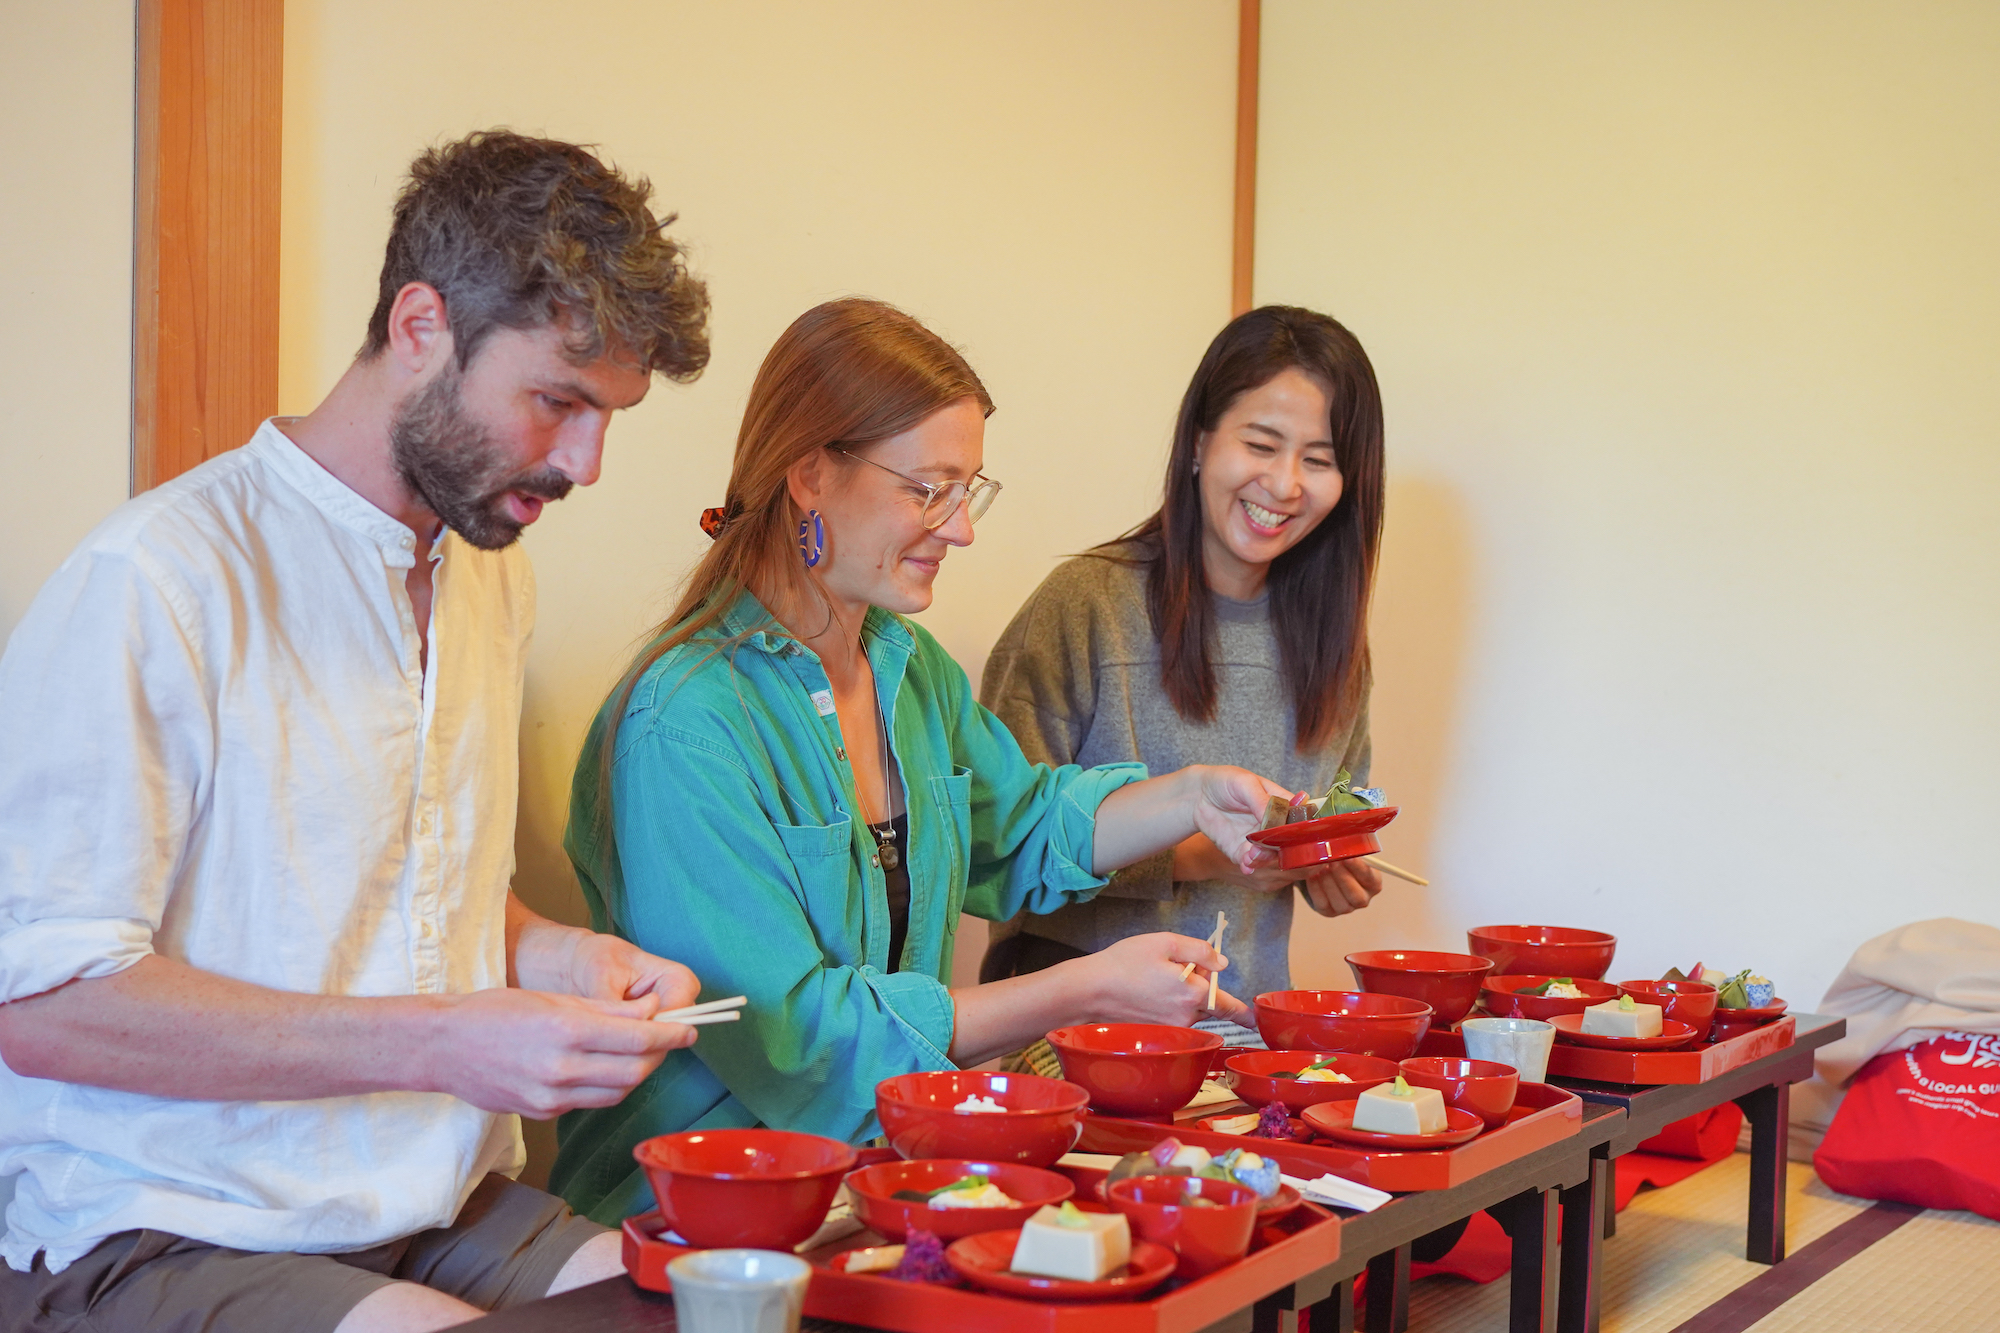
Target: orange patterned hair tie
<point>714,520</point>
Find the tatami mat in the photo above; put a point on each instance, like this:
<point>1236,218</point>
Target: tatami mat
<point>1937,1273</point>
<point>1677,1251</point>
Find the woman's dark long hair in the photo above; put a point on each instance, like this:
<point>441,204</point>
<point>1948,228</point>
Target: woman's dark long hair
<point>1319,588</point>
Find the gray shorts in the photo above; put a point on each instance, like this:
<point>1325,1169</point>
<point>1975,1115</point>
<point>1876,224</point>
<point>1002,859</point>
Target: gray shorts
<point>506,1247</point>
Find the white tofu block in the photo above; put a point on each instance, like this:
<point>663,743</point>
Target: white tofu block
<point>1081,1254</point>
<point>1608,1020</point>
<point>1380,1111</point>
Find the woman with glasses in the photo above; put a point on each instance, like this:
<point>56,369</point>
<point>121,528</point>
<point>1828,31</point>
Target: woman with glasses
<point>1230,627</point>
<point>794,792</point>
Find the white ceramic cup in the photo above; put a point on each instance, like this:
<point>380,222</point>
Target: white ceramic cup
<point>739,1291</point>
<point>1521,1042</point>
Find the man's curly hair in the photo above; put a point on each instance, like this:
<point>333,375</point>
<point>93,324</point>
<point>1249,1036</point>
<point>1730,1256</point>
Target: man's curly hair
<point>518,232</point>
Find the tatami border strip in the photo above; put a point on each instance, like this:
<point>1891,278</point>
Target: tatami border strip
<point>1764,1293</point>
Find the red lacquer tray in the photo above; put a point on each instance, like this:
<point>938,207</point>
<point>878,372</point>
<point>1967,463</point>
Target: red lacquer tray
<point>1696,1064</point>
<point>1542,1115</point>
<point>1284,1250</point>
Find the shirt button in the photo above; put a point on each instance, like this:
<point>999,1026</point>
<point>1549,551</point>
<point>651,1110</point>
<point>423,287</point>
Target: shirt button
<point>426,928</point>
<point>429,820</point>
<point>840,753</point>
<point>875,861</point>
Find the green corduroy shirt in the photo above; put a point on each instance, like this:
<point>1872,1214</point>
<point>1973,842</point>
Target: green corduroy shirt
<point>741,852</point>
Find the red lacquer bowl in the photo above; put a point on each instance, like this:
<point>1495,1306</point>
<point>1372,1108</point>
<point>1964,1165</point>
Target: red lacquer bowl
<point>1501,996</point>
<point>1251,1075</point>
<point>1484,1087</point>
<point>1316,842</point>
<point>1136,1068</point>
<point>1553,951</point>
<point>1205,1238</point>
<point>872,1187</point>
<point>1691,1002</point>
<point>1043,1119</point>
<point>753,1189</point>
<point>1569,1027</point>
<point>1388,1026</point>
<point>983,1259</point>
<point>1447,982</point>
<point>1336,1121</point>
<point>1735,1022</point>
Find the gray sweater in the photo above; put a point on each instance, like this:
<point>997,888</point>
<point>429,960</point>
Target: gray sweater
<point>1076,677</point>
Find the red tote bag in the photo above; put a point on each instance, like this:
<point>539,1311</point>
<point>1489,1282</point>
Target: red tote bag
<point>1922,1126</point>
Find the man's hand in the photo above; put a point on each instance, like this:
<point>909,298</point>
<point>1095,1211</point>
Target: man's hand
<point>546,956</point>
<point>537,1054</point>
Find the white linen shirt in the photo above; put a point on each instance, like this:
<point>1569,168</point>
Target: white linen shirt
<point>218,743</point>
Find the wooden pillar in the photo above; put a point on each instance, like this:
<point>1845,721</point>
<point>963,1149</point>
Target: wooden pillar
<point>1243,261</point>
<point>205,326</point>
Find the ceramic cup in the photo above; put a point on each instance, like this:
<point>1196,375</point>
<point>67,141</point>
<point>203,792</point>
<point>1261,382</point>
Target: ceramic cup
<point>1521,1042</point>
<point>738,1291</point>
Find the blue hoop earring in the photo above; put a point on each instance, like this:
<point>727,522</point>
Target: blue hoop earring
<point>812,550</point>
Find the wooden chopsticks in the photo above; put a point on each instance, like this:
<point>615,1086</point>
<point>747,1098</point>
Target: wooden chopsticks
<point>1215,943</point>
<point>694,1015</point>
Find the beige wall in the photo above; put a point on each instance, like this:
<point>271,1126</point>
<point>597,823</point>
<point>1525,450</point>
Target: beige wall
<point>66,307</point>
<point>1685,315</point>
<point>1047,183</point>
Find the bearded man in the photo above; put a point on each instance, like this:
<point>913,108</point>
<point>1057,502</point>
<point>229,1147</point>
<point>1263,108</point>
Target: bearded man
<point>268,1007</point>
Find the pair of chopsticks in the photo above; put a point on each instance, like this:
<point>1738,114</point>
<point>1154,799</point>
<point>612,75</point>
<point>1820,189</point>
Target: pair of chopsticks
<point>715,1011</point>
<point>1410,876</point>
<point>1215,943</point>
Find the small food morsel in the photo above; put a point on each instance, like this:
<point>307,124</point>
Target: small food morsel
<point>1745,990</point>
<point>1319,1071</point>
<point>980,1105</point>
<point>972,1192</point>
<point>1273,1122</point>
<point>1623,1017</point>
<point>1069,1243</point>
<point>874,1259</point>
<point>923,1260</point>
<point>1398,1108</point>
<point>1342,798</point>
<point>1235,1124</point>
<point>1564,988</point>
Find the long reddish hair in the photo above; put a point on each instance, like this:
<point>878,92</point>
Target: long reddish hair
<point>1320,587</point>
<point>847,372</point>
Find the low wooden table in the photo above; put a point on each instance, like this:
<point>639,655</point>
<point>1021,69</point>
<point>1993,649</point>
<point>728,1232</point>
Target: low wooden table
<point>1763,1088</point>
<point>1526,1196</point>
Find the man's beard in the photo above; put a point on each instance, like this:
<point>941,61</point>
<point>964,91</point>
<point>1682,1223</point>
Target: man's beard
<point>449,460</point>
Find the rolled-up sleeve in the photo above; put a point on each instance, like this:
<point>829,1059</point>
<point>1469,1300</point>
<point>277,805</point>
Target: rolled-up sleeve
<point>709,879</point>
<point>105,734</point>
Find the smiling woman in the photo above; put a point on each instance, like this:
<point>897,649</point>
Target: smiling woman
<point>1230,625</point>
<point>794,792</point>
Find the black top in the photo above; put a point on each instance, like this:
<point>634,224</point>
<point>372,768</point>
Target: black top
<point>898,882</point>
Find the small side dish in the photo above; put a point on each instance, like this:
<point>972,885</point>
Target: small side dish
<point>922,1260</point>
<point>1069,1243</point>
<point>1623,1017</point>
<point>965,1192</point>
<point>1562,988</point>
<point>1398,1108</point>
<point>1340,799</point>
<point>1170,1157</point>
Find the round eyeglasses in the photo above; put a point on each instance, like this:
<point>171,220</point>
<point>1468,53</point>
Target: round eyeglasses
<point>941,500</point>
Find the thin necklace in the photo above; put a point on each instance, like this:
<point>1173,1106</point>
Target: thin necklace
<point>885,836</point>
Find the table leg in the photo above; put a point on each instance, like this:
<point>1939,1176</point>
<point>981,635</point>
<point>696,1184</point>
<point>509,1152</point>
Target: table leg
<point>1389,1292</point>
<point>1583,1207</point>
<point>1532,1219</point>
<point>1769,1111</point>
<point>1335,1314</point>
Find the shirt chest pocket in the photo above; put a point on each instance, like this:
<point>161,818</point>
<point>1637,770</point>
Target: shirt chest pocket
<point>819,853</point>
<point>952,794</point>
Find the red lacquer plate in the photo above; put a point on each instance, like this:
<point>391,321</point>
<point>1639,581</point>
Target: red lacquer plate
<point>1336,1121</point>
<point>983,1259</point>
<point>1673,1034</point>
<point>1316,842</point>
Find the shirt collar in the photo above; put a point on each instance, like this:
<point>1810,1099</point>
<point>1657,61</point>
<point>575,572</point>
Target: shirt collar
<point>334,498</point>
<point>748,620</point>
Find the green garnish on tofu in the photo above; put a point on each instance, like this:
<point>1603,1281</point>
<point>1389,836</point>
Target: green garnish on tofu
<point>1069,1215</point>
<point>1402,1088</point>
